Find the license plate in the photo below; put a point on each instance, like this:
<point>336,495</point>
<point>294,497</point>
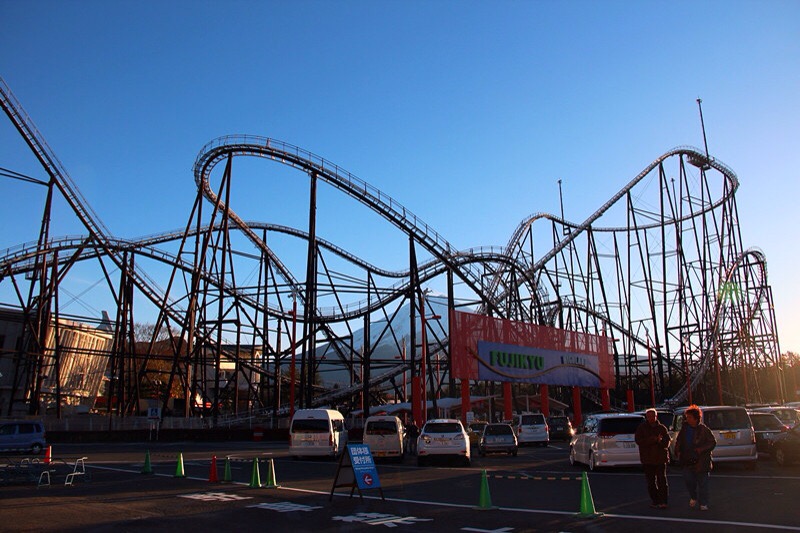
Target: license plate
<point>729,435</point>
<point>442,440</point>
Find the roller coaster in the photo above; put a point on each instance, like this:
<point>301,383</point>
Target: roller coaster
<point>660,268</point>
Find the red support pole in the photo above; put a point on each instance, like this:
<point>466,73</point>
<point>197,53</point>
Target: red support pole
<point>508,407</point>
<point>577,416</point>
<point>466,405</point>
<point>631,406</point>
<point>544,398</point>
<point>605,400</point>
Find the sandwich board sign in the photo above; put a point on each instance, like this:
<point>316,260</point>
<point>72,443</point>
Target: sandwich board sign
<point>357,470</point>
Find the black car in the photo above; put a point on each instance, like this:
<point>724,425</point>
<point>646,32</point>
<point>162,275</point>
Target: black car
<point>786,448</point>
<point>560,427</point>
<point>767,427</point>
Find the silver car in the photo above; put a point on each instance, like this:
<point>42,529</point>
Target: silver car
<point>498,438</point>
<point>606,440</point>
<point>22,436</point>
<point>733,429</point>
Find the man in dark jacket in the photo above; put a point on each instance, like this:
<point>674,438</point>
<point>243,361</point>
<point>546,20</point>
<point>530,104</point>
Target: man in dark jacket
<point>653,440</point>
<point>693,450</point>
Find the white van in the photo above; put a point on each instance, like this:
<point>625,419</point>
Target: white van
<point>317,432</point>
<point>384,435</point>
<point>531,428</point>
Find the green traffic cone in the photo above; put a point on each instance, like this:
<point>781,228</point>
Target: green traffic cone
<point>484,498</point>
<point>179,466</point>
<point>255,478</point>
<point>271,482</point>
<point>226,477</point>
<point>147,469</point>
<point>587,503</point>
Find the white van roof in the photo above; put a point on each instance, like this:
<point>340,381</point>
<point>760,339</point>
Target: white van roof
<point>317,413</point>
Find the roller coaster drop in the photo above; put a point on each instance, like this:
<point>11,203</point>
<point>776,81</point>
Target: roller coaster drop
<point>660,268</point>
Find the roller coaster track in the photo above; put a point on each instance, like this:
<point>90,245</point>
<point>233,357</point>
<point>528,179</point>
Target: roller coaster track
<point>560,287</point>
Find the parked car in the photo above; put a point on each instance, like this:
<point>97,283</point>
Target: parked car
<point>560,427</point>
<point>786,447</point>
<point>531,428</point>
<point>385,436</point>
<point>767,427</point>
<point>788,415</point>
<point>443,437</point>
<point>317,432</point>
<point>665,416</point>
<point>498,438</point>
<point>736,439</point>
<point>475,432</point>
<point>606,440</point>
<point>22,436</point>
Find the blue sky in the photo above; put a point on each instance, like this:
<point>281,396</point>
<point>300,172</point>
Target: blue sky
<point>465,112</point>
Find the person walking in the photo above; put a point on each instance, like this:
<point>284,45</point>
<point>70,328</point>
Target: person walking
<point>653,440</point>
<point>693,448</point>
<point>412,433</point>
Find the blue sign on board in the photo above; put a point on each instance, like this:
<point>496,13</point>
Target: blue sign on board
<point>363,466</point>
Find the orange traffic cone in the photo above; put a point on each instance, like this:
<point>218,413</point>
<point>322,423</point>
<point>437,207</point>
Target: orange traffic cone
<point>48,455</point>
<point>212,476</point>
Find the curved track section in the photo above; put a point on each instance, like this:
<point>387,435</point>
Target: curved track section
<point>659,267</point>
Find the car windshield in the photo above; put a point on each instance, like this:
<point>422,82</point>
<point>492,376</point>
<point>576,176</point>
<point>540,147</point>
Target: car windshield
<point>559,420</point>
<point>307,425</point>
<point>498,429</point>
<point>443,427</point>
<point>726,419</point>
<point>531,420</point>
<point>619,425</point>
<point>765,422</point>
<point>381,427</point>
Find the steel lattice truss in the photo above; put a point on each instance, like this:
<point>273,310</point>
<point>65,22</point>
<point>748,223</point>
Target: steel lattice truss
<point>660,267</point>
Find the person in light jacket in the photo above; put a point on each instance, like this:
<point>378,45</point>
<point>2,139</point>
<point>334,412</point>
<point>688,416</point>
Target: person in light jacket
<point>693,448</point>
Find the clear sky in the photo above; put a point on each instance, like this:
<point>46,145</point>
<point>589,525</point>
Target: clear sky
<point>466,112</point>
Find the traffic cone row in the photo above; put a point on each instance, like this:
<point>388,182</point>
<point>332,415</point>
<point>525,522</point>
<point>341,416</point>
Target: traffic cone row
<point>255,477</point>
<point>212,476</point>
<point>226,477</point>
<point>484,498</point>
<point>272,483</point>
<point>179,466</point>
<point>147,468</point>
<point>587,502</point>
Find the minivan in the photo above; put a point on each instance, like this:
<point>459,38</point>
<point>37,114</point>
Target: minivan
<point>531,428</point>
<point>733,429</point>
<point>22,436</point>
<point>606,439</point>
<point>317,432</point>
<point>384,435</point>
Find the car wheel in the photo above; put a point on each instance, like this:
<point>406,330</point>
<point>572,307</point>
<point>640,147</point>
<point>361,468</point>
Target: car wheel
<point>780,457</point>
<point>514,453</point>
<point>36,448</point>
<point>545,444</point>
<point>572,459</point>
<point>750,465</point>
<point>592,465</point>
<point>466,461</point>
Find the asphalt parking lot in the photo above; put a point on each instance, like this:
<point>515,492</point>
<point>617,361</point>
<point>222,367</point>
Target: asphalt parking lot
<point>536,491</point>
